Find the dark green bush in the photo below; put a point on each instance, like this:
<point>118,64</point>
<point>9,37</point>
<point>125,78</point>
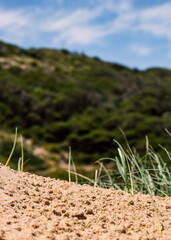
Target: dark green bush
<point>72,99</point>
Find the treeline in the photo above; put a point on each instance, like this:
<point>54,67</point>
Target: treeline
<point>69,99</point>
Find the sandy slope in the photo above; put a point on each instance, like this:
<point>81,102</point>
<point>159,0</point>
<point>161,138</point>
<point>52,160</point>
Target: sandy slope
<point>34,207</point>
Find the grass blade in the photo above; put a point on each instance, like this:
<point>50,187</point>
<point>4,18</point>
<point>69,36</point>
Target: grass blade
<point>69,165</point>
<point>15,139</point>
<point>19,164</point>
<point>22,154</point>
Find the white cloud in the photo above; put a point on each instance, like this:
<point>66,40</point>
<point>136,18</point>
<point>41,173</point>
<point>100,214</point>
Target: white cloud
<point>12,18</point>
<point>123,23</point>
<point>140,50</point>
<point>77,27</point>
<point>81,25</point>
<point>117,6</point>
<point>14,25</point>
<point>81,35</point>
<point>75,18</point>
<point>169,54</point>
<point>156,21</point>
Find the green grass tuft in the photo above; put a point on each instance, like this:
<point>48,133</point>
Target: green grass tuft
<point>148,174</point>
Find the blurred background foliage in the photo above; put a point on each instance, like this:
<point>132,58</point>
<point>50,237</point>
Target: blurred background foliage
<point>69,99</point>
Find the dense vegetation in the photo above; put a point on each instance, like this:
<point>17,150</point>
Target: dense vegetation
<point>68,99</point>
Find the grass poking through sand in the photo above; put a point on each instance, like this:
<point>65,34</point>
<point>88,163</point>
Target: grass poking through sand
<point>13,148</point>
<point>132,173</point>
<point>148,174</point>
<point>21,159</point>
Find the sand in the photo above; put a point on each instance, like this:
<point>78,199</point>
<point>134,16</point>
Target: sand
<point>35,207</point>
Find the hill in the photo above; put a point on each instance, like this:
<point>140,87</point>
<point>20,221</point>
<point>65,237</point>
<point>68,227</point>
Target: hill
<point>60,99</point>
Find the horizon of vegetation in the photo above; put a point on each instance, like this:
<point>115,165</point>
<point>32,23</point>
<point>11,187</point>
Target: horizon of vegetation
<point>65,50</point>
<point>60,99</point>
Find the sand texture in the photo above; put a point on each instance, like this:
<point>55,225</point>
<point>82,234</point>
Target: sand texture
<point>35,207</point>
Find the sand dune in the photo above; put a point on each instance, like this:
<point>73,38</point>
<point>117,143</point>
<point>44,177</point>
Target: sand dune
<point>34,207</point>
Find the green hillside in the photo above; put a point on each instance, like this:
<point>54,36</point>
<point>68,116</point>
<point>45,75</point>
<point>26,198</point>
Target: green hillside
<point>61,99</point>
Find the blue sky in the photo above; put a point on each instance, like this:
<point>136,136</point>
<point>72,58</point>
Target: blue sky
<point>135,33</point>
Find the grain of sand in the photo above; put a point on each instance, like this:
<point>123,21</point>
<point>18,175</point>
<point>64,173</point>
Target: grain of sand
<point>35,207</point>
